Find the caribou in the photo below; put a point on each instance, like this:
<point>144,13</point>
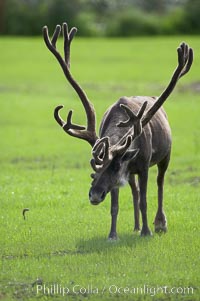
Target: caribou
<point>134,135</point>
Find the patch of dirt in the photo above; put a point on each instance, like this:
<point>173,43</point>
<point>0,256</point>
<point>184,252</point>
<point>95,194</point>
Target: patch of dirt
<point>175,178</point>
<point>191,87</point>
<point>194,181</point>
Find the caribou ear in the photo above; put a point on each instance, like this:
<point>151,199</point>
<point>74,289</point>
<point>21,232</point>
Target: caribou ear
<point>130,154</point>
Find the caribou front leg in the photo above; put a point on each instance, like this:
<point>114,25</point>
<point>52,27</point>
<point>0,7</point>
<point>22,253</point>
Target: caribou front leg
<point>114,212</point>
<point>143,178</point>
<point>136,201</point>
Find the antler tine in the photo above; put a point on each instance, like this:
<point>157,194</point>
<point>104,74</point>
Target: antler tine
<point>51,44</point>
<point>55,35</point>
<point>99,142</point>
<point>68,36</point>
<point>186,54</point>
<point>107,154</point>
<point>185,59</point>
<point>120,148</point>
<point>100,150</point>
<point>95,167</point>
<point>57,117</point>
<point>88,134</point>
<point>134,121</point>
<point>102,154</point>
<point>142,109</point>
<point>68,125</point>
<point>133,118</point>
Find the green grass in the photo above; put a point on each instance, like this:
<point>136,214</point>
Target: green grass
<point>63,240</point>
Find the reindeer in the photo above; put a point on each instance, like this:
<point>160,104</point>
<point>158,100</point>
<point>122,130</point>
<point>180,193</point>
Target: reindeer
<point>134,135</point>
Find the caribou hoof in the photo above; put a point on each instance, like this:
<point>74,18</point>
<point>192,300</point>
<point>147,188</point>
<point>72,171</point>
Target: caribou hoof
<point>160,227</point>
<point>160,224</point>
<point>146,232</point>
<point>136,229</point>
<point>112,237</point>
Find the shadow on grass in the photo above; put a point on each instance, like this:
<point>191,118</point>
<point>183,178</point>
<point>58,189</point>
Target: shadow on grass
<point>99,244</point>
<point>96,244</point>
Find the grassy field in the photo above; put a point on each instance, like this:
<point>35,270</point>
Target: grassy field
<point>60,251</point>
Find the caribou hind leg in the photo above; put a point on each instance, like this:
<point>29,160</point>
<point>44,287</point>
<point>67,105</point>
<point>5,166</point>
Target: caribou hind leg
<point>160,221</point>
<point>136,201</point>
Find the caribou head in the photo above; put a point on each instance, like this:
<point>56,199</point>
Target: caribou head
<point>110,161</point>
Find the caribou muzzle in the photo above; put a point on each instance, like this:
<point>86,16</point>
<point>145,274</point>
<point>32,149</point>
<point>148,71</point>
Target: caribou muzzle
<point>97,196</point>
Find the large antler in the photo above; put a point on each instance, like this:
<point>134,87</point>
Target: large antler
<point>185,59</point>
<point>89,133</point>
